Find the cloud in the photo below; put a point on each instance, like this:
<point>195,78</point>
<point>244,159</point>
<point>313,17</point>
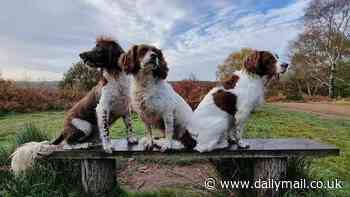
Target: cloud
<point>200,49</point>
<point>139,21</point>
<point>42,39</point>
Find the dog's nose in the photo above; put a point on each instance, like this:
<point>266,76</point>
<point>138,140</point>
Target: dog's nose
<point>83,55</point>
<point>284,65</point>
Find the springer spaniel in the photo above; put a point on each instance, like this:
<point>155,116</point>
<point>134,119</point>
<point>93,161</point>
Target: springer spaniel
<point>90,118</point>
<point>158,105</point>
<point>113,96</point>
<point>220,117</point>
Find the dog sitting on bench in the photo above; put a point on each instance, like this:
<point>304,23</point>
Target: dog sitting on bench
<point>92,116</point>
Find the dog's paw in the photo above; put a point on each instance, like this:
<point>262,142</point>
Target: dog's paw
<point>242,144</point>
<point>164,144</point>
<point>107,148</point>
<point>132,140</point>
<point>147,143</point>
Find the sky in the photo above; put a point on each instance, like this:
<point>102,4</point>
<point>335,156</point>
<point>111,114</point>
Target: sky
<point>40,39</point>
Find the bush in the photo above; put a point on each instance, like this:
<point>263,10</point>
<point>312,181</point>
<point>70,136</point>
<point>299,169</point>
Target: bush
<point>18,99</point>
<point>80,77</point>
<point>28,134</point>
<point>192,91</point>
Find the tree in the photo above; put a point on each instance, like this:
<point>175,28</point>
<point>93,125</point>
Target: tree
<point>310,70</point>
<point>329,21</point>
<point>232,63</point>
<point>80,77</point>
<point>191,77</point>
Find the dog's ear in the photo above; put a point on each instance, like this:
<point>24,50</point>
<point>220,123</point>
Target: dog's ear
<point>230,82</point>
<point>252,61</point>
<point>129,61</point>
<point>162,69</point>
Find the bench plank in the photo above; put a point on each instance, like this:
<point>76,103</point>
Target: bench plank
<point>259,148</point>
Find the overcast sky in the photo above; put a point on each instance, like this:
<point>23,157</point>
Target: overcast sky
<point>41,39</point>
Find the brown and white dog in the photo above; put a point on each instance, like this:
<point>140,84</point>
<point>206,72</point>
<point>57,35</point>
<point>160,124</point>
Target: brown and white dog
<point>90,118</point>
<point>158,105</point>
<point>219,119</point>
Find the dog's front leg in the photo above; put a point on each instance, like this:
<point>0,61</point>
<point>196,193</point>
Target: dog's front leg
<point>169,133</point>
<point>129,130</point>
<point>235,133</point>
<point>103,127</point>
<point>147,141</point>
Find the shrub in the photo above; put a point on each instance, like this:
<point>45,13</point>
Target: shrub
<point>192,91</point>
<point>80,77</point>
<point>18,99</point>
<point>28,134</point>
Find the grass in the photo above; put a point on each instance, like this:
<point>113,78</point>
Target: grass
<point>50,122</point>
<point>267,122</point>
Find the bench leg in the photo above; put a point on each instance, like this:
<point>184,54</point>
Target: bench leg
<point>269,169</point>
<point>98,175</point>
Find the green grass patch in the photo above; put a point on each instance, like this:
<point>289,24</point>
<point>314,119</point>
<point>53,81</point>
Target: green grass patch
<point>272,122</point>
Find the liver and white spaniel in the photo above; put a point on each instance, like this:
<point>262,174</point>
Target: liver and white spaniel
<point>158,105</point>
<point>91,117</point>
<point>220,117</point>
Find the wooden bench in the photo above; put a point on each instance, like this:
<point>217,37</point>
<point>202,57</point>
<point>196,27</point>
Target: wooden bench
<point>270,156</point>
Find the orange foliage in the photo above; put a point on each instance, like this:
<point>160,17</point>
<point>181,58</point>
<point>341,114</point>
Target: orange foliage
<point>13,98</point>
<point>192,91</point>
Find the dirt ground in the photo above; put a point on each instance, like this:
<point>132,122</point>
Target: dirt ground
<point>327,110</point>
<point>139,176</point>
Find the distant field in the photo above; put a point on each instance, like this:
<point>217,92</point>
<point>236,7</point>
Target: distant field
<point>268,122</point>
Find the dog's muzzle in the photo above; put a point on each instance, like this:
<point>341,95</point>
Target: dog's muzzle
<point>284,67</point>
<point>85,57</point>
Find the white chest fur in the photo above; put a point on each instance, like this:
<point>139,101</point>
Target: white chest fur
<point>249,91</point>
<point>115,95</point>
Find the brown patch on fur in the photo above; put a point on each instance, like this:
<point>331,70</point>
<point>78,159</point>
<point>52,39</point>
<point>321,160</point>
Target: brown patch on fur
<point>85,109</point>
<point>251,62</point>
<point>230,82</point>
<point>131,60</point>
<point>226,101</point>
<point>267,64</point>
<point>261,63</point>
<point>101,39</point>
<point>104,55</point>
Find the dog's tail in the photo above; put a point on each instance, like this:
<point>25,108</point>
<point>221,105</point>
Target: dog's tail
<point>58,140</point>
<point>23,158</point>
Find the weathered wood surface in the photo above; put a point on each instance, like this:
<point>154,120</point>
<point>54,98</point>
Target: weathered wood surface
<point>98,176</point>
<point>269,169</point>
<point>259,148</point>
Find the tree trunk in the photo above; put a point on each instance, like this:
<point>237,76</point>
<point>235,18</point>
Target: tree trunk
<point>267,170</point>
<point>331,86</point>
<point>98,176</point>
